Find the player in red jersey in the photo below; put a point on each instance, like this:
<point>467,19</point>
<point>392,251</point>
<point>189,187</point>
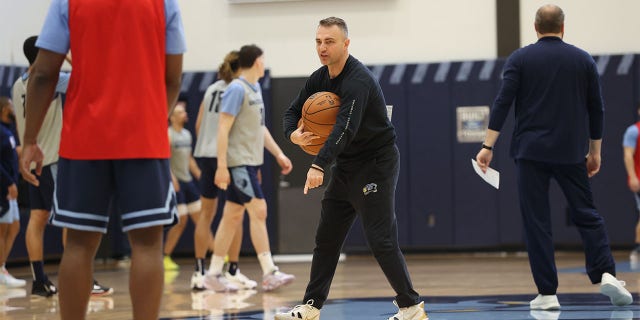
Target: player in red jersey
<point>114,145</point>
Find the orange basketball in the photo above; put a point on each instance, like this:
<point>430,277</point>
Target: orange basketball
<point>319,113</point>
<point>315,145</point>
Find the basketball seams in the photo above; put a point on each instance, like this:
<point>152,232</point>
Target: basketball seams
<point>321,110</point>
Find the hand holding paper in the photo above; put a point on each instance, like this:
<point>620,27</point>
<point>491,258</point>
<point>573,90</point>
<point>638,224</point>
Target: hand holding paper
<point>492,176</point>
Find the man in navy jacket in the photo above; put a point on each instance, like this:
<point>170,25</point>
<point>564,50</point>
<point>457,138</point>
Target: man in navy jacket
<point>559,119</point>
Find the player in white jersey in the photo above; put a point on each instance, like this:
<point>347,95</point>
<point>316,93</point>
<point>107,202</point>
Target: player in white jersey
<point>206,153</point>
<point>240,152</point>
<point>41,197</point>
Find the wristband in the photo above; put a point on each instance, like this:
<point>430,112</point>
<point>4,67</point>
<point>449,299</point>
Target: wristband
<point>317,168</point>
<point>484,146</point>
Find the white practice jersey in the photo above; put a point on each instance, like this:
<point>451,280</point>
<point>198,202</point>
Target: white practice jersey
<point>49,135</point>
<point>206,143</point>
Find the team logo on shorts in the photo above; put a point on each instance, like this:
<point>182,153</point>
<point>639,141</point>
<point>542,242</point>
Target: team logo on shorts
<point>369,188</point>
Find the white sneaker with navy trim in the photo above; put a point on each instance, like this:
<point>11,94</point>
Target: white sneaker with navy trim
<point>300,312</point>
<point>197,282</point>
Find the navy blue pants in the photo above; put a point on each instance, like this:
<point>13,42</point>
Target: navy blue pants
<point>367,189</point>
<point>533,188</point>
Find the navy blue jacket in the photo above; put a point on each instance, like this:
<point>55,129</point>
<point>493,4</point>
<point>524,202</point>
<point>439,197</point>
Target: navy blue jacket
<point>558,103</point>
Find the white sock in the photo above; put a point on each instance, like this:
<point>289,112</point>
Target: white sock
<point>216,265</point>
<point>266,262</point>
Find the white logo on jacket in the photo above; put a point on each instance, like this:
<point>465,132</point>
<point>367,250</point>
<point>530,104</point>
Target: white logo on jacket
<point>369,188</point>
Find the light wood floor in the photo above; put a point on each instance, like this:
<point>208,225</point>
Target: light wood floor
<point>356,277</point>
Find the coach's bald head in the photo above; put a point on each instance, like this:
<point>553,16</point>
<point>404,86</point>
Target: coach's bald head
<point>549,20</point>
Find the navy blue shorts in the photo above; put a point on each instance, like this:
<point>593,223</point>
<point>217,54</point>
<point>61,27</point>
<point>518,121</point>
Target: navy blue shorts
<point>141,190</point>
<point>188,198</point>
<point>188,193</point>
<point>208,168</point>
<point>244,184</point>
<point>41,197</point>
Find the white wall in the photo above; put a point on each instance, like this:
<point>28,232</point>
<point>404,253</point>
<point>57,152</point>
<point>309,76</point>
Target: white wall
<point>19,19</point>
<point>381,31</point>
<point>598,26</point>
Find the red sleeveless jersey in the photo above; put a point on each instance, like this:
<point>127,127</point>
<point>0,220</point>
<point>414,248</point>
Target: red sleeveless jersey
<point>116,106</point>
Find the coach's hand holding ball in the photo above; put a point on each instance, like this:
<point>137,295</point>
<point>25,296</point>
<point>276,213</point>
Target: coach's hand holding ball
<point>301,137</point>
<point>319,115</point>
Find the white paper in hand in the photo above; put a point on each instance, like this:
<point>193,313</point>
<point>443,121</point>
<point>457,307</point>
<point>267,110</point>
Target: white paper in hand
<point>492,176</point>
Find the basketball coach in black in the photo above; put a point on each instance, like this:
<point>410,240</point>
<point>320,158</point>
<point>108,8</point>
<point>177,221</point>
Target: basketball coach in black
<point>363,179</point>
<point>559,119</point>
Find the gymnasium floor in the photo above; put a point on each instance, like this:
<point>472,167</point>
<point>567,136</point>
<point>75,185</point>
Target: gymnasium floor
<point>454,286</point>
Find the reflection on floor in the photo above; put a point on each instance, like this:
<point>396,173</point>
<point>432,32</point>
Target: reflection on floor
<point>454,287</point>
<point>507,307</point>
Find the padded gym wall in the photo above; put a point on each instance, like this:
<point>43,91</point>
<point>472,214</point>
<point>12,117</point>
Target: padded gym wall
<point>445,204</point>
<point>441,203</point>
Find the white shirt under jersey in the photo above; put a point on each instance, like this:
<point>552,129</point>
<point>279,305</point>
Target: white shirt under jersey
<point>207,144</point>
<point>49,135</point>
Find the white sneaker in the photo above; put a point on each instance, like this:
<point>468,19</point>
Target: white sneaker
<point>276,279</point>
<point>197,282</point>
<point>614,289</point>
<point>7,280</point>
<point>240,280</point>
<point>218,283</point>
<point>545,302</point>
<point>300,312</point>
<point>414,312</point>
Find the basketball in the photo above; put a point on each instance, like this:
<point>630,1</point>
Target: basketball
<point>319,113</point>
<point>315,145</point>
